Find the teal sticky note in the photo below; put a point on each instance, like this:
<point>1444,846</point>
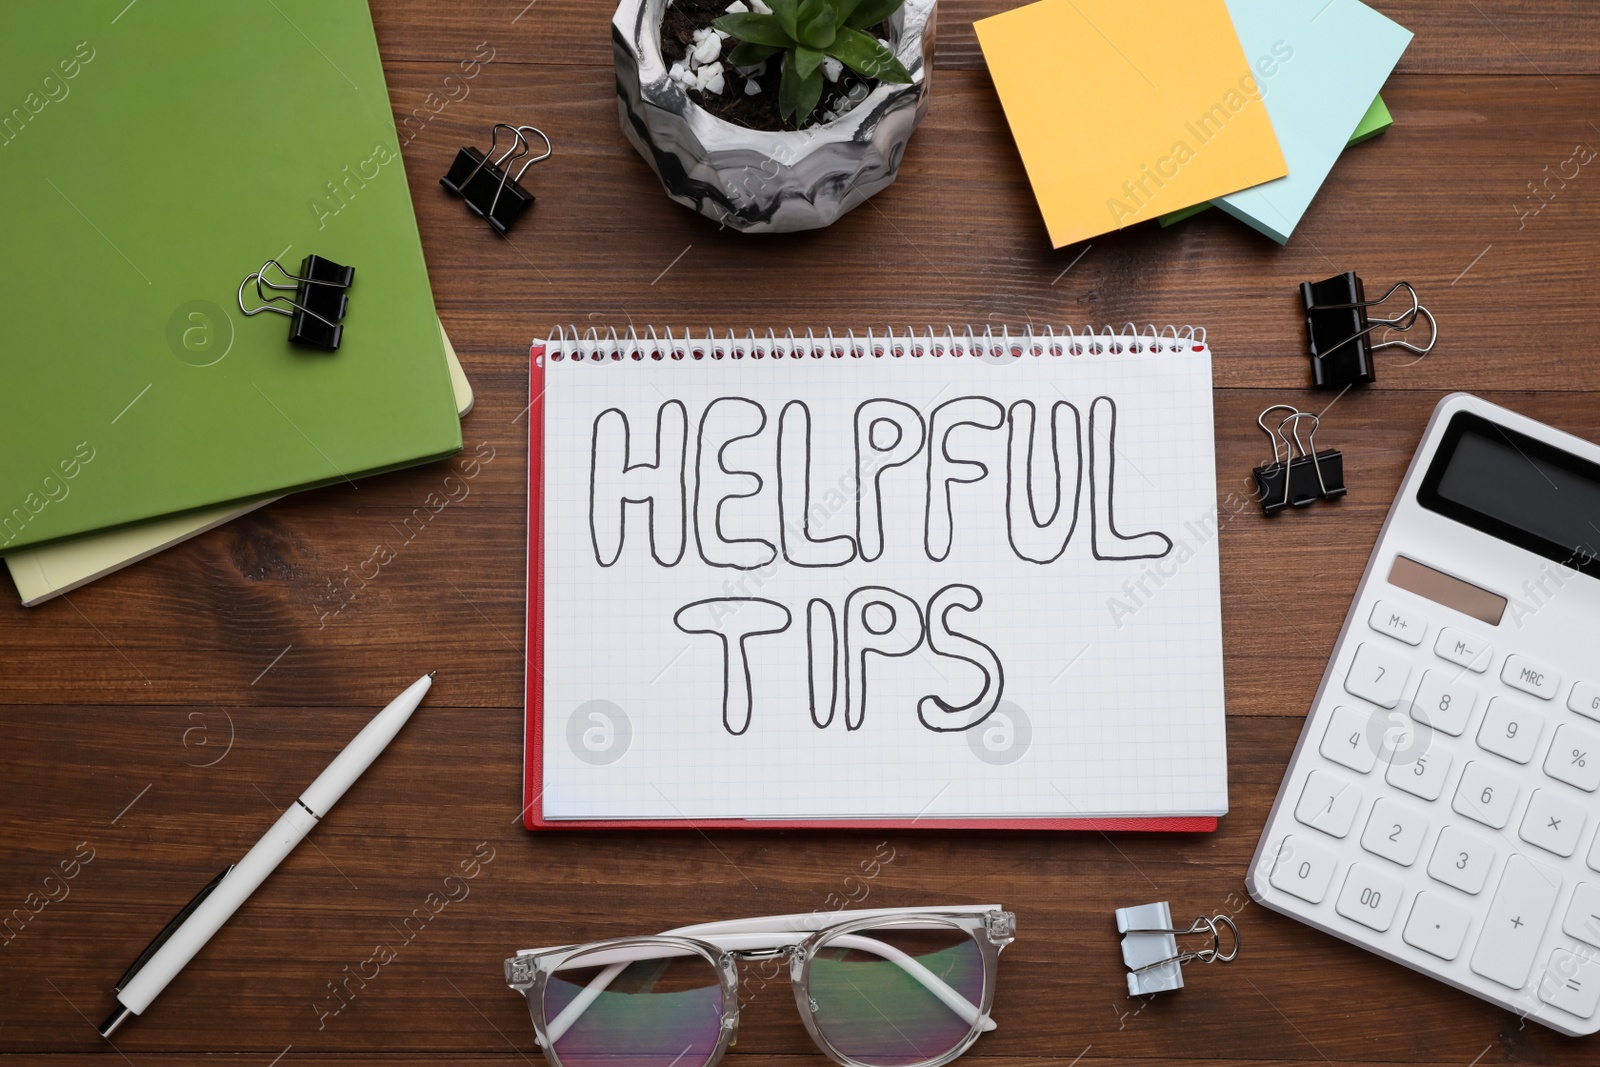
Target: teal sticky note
<point>1319,64</point>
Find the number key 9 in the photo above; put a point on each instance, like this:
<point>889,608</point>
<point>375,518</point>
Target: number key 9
<point>1510,730</point>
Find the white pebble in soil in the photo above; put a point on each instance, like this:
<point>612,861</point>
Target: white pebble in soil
<point>736,8</point>
<point>711,79</point>
<point>831,68</point>
<point>751,88</point>
<point>708,49</point>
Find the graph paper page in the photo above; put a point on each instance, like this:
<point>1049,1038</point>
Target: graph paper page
<point>845,588</point>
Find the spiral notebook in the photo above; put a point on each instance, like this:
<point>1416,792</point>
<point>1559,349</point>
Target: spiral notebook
<point>877,579</point>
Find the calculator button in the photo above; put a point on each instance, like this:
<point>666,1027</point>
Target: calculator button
<point>1583,914</point>
<point>1575,757</point>
<point>1444,702</point>
<point>1552,822</point>
<point>1437,925</point>
<point>1510,730</point>
<point>1304,869</point>
<point>1530,676</point>
<point>1346,742</point>
<point>1328,804</point>
<point>1485,793</point>
<point>1571,982</point>
<point>1394,832</point>
<point>1515,923</point>
<point>1585,699</point>
<point>1421,776</point>
<point>1464,650</point>
<point>1461,860</point>
<point>1398,621</point>
<point>1378,674</point>
<point>1594,854</point>
<point>1370,897</point>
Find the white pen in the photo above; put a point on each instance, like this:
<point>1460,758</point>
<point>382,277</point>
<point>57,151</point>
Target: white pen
<point>204,915</point>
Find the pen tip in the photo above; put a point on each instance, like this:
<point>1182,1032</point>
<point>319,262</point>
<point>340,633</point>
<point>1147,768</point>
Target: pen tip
<point>117,1018</point>
<point>432,673</point>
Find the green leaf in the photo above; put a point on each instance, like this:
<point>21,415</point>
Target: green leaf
<point>797,95</point>
<point>750,55</point>
<point>842,10</point>
<point>806,60</point>
<point>787,12</point>
<point>810,93</point>
<point>867,57</point>
<point>788,88</point>
<point>816,22</point>
<point>869,13</point>
<point>756,29</point>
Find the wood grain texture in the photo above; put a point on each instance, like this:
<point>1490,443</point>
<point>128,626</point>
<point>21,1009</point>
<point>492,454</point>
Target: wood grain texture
<point>158,718</point>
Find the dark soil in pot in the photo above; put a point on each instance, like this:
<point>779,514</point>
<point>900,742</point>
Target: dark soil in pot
<point>757,111</point>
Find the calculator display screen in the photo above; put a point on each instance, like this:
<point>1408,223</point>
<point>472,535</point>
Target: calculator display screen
<point>1519,489</point>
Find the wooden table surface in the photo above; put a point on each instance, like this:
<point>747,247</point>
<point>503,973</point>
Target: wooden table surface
<point>156,721</point>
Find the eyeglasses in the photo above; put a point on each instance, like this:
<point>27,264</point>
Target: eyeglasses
<point>907,987</point>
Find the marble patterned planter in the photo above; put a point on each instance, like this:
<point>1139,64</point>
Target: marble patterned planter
<point>758,181</point>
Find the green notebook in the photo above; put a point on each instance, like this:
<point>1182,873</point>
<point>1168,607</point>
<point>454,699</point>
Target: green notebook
<point>151,156</point>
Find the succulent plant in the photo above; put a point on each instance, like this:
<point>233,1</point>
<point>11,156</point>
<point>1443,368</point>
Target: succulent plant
<point>807,31</point>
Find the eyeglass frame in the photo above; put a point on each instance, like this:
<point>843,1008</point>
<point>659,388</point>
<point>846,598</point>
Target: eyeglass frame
<point>725,944</point>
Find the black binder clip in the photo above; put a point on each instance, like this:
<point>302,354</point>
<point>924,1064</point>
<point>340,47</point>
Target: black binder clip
<point>319,300</point>
<point>1297,480</point>
<point>486,183</point>
<point>1337,326</point>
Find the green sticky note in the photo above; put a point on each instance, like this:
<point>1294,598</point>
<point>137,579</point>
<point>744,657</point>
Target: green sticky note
<point>1188,212</point>
<point>1375,121</point>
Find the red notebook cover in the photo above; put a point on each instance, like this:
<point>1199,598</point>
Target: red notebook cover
<point>533,738</point>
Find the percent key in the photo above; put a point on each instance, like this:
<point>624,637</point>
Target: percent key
<point>1569,760</point>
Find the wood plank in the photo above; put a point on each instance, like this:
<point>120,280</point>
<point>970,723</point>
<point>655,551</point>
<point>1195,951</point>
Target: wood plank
<point>1531,38</point>
<point>1442,200</point>
<point>272,609</point>
<point>445,795</point>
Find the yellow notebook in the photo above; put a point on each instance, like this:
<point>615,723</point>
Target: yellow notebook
<point>1126,111</point>
<point>62,566</point>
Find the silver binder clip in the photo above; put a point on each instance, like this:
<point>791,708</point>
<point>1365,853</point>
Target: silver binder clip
<point>1150,946</point>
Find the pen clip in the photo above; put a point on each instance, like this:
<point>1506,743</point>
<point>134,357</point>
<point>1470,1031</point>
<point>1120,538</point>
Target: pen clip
<point>160,939</point>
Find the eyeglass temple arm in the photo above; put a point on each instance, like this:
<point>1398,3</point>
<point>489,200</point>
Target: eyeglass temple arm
<point>807,922</point>
<point>556,1028</point>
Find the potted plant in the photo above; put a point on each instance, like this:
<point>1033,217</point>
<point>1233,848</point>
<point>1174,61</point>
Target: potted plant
<point>772,115</point>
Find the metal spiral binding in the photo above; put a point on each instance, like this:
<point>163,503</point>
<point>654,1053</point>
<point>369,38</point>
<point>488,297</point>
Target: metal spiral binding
<point>567,344</point>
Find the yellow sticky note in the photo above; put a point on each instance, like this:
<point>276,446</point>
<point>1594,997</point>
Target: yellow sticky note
<point>1125,111</point>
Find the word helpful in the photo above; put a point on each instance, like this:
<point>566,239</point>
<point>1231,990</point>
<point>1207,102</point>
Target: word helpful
<point>688,481</point>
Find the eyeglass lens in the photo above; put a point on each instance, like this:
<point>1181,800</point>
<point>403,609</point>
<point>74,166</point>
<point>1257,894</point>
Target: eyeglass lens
<point>873,1009</point>
<point>658,1012</point>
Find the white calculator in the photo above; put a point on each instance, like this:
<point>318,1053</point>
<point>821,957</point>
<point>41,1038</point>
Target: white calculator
<point>1441,807</point>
